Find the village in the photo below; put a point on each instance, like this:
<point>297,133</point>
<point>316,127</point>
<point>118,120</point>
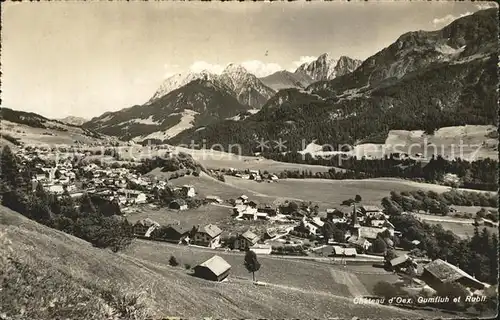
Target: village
<point>345,235</point>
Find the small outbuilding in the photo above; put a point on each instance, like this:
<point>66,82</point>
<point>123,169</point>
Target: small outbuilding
<point>214,269</point>
<point>178,204</point>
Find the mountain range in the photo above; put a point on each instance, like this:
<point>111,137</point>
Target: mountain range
<point>423,81</point>
<point>203,98</point>
<point>323,68</point>
<point>76,121</point>
<point>199,102</point>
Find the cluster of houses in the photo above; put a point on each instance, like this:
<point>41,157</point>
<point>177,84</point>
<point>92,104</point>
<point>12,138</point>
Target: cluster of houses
<point>121,184</point>
<point>208,236</point>
<point>255,175</point>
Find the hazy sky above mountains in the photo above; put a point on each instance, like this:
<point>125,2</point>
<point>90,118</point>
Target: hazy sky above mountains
<point>83,59</point>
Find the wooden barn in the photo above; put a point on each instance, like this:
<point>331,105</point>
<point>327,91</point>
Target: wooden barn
<point>439,272</point>
<point>214,269</point>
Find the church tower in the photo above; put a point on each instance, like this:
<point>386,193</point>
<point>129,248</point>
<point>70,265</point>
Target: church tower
<point>354,221</point>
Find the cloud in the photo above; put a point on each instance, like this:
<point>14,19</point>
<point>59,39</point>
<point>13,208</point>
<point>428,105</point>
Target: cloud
<point>301,61</point>
<point>261,69</point>
<point>486,5</point>
<point>304,59</point>
<point>199,66</point>
<point>438,22</point>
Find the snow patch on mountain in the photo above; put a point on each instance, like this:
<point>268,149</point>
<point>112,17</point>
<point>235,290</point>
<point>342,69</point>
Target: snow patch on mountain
<point>178,80</point>
<point>186,122</point>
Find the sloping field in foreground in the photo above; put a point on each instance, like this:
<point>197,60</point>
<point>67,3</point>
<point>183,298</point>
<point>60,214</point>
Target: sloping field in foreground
<point>53,275</point>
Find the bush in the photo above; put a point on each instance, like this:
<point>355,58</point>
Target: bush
<point>187,266</point>
<point>379,246</point>
<point>173,261</point>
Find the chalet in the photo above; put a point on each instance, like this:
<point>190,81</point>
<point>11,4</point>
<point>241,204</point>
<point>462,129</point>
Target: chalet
<point>243,199</point>
<point>270,233</point>
<point>439,272</point>
<point>360,243</point>
<point>188,191</point>
<point>400,262</point>
<point>335,214</point>
<point>40,177</point>
<point>372,211</point>
<point>343,252</point>
<point>252,204</point>
<point>369,233</point>
<point>260,248</point>
<point>255,176</point>
<point>178,204</point>
<point>208,236</point>
<point>213,199</point>
<point>145,227</point>
<point>307,225</point>
<point>242,210</point>
<point>215,269</point>
<point>268,209</point>
<point>242,176</point>
<point>56,188</point>
<point>254,215</point>
<point>246,240</point>
<point>176,232</point>
<point>383,224</point>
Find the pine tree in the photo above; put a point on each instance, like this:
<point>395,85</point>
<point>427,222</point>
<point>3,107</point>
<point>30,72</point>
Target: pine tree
<point>493,256</point>
<point>251,263</point>
<point>86,205</point>
<point>10,176</point>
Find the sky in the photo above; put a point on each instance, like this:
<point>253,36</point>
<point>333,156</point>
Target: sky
<point>87,58</point>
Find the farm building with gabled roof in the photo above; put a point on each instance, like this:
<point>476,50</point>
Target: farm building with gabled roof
<point>208,236</point>
<point>439,272</point>
<point>145,227</point>
<point>215,269</point>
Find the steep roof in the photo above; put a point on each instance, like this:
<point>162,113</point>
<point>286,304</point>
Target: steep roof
<point>212,230</point>
<point>217,265</point>
<point>371,208</point>
<point>148,222</point>
<point>446,272</point>
<point>357,241</point>
<point>369,232</point>
<point>181,202</point>
<point>250,236</point>
<point>399,260</point>
<point>180,229</point>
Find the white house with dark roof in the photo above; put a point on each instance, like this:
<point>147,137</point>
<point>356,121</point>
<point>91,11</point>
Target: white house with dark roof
<point>188,191</point>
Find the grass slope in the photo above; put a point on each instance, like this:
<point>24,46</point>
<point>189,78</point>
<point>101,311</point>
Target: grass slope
<point>60,271</point>
<point>333,192</point>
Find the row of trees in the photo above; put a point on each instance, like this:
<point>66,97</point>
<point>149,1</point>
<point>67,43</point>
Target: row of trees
<point>436,203</point>
<point>480,174</point>
<point>93,219</point>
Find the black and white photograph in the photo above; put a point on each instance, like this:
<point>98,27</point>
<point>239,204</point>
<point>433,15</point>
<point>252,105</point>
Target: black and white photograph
<point>249,160</point>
